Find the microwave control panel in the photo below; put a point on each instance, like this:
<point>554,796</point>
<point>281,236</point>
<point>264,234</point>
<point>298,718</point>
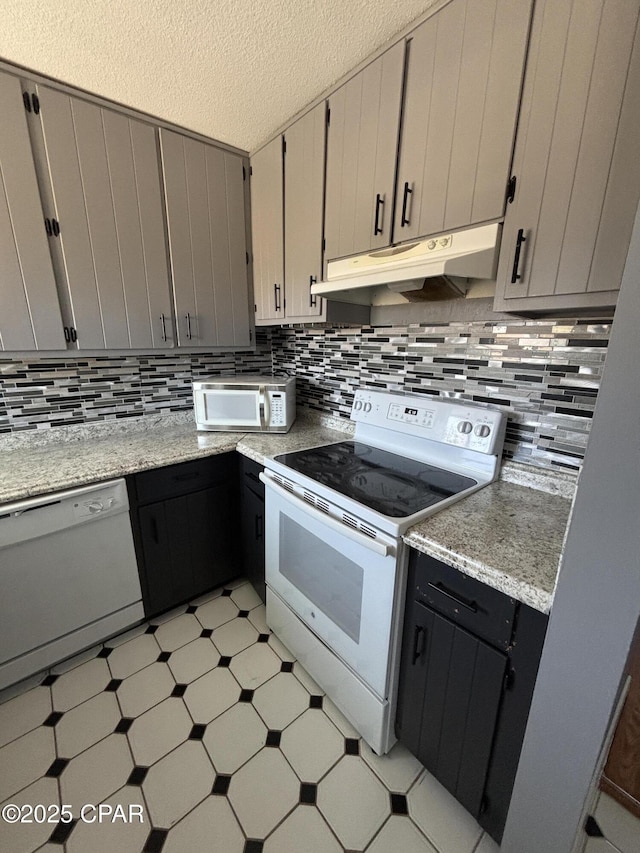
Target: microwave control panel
<point>278,408</point>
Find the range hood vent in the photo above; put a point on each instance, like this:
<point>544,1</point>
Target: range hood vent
<point>462,254</point>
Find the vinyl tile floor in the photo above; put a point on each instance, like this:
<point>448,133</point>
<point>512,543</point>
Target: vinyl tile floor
<point>200,732</point>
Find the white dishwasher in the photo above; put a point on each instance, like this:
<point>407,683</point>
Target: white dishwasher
<point>68,576</point>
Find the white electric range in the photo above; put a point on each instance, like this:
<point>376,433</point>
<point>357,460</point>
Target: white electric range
<point>335,560</point>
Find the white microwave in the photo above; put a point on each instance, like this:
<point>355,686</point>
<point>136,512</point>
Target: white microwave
<point>245,403</point>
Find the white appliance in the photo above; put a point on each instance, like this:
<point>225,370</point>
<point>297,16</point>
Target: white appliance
<point>245,403</point>
<point>335,560</point>
<point>472,253</point>
<point>68,576</point>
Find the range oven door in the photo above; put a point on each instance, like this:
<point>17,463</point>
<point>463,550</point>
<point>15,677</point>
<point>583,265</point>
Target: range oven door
<point>337,580</point>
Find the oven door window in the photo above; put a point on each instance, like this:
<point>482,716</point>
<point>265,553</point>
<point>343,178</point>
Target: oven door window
<point>328,580</point>
<point>337,585</point>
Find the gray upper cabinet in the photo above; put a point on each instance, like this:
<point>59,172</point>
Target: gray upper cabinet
<point>462,91</point>
<point>267,202</point>
<point>204,193</point>
<point>304,196</point>
<point>361,157</point>
<point>110,254</point>
<point>29,311</point>
<point>576,160</point>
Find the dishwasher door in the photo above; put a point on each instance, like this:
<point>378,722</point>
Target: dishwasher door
<point>68,576</point>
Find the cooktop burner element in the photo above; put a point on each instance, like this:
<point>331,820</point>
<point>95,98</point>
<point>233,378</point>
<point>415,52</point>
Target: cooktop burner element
<point>393,485</point>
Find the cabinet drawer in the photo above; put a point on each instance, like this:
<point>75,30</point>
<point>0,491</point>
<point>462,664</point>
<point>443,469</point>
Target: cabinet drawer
<point>485,611</point>
<point>185,478</point>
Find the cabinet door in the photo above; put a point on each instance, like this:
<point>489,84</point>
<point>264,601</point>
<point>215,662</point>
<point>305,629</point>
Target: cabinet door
<point>462,91</point>
<point>303,208</point>
<point>204,195</point>
<point>105,182</point>
<point>267,226</point>
<point>361,157</point>
<point>567,232</point>
<point>451,686</point>
<point>253,539</point>
<point>188,547</point>
<point>29,310</point>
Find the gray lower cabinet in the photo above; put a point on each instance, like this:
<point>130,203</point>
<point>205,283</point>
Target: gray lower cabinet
<point>204,194</point>
<point>361,157</point>
<point>567,233</point>
<point>462,91</point>
<point>267,224</point>
<point>30,316</point>
<point>470,657</point>
<point>100,183</point>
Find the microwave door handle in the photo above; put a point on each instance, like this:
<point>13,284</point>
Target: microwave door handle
<point>378,547</point>
<point>262,403</point>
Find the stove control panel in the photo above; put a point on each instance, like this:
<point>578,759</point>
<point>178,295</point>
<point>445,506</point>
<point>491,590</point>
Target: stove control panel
<point>452,422</point>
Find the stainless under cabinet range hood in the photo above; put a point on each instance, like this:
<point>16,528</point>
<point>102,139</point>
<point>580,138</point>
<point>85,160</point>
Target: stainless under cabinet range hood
<point>472,253</point>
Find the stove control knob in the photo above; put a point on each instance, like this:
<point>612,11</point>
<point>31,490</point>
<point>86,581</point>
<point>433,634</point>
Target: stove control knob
<point>482,430</point>
<point>465,427</point>
<point>367,407</point>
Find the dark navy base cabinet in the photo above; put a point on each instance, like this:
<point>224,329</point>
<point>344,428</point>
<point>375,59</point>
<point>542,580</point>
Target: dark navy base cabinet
<point>470,656</point>
<point>185,526</point>
<point>252,505</point>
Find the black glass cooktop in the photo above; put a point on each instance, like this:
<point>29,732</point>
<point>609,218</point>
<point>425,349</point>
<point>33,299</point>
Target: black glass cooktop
<point>385,482</point>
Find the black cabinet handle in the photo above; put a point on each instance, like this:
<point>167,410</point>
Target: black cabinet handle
<point>276,297</point>
<point>312,297</point>
<point>164,328</point>
<point>47,227</point>
<point>188,319</point>
<point>404,219</point>
<point>67,334</point>
<point>55,227</point>
<point>520,239</point>
<point>35,100</point>
<point>73,334</point>
<point>463,602</point>
<point>418,643</point>
<point>259,526</point>
<point>27,101</point>
<point>377,228</point>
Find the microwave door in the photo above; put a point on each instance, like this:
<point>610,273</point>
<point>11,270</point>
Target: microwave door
<point>233,408</point>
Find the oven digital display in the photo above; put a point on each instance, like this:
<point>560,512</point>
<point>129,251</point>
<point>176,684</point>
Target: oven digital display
<point>411,415</point>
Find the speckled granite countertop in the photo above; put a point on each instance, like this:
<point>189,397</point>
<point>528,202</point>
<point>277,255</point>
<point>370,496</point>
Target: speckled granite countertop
<point>508,535</point>
<point>35,464</point>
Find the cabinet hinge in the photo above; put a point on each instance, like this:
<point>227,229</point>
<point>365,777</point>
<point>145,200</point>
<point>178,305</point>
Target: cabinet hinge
<point>52,227</point>
<point>328,114</point>
<point>246,254</point>
<point>592,829</point>
<point>509,678</point>
<point>511,189</point>
<point>31,102</point>
<point>255,308</point>
<point>284,145</point>
<point>324,244</point>
<point>244,174</point>
<point>250,171</point>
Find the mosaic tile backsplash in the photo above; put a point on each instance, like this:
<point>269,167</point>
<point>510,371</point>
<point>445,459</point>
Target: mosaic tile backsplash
<point>544,373</point>
<point>46,393</point>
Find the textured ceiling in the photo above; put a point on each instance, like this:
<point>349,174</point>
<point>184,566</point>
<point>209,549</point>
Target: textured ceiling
<point>232,69</point>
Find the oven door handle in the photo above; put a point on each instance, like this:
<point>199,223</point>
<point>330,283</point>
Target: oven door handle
<point>263,399</point>
<point>382,548</point>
